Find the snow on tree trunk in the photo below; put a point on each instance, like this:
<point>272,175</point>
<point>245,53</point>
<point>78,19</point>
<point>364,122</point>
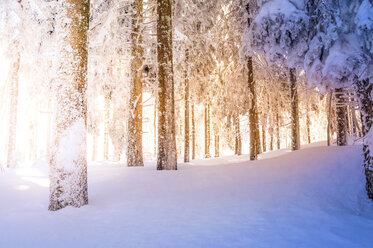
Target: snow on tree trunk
<point>12,125</point>
<point>68,165</point>
<point>134,150</point>
<point>364,90</point>
<point>186,126</point>
<point>167,155</point>
<point>193,134</point>
<point>341,111</point>
<point>295,137</point>
<point>253,114</point>
<point>207,131</point>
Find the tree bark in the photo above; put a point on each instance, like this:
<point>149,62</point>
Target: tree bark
<point>186,126</point>
<point>253,114</point>
<point>167,155</point>
<point>329,109</point>
<point>106,125</point>
<point>134,150</point>
<point>193,134</point>
<point>364,91</point>
<point>341,111</point>
<point>238,140</point>
<point>278,126</point>
<point>295,135</point>
<point>68,165</point>
<point>207,131</point>
<point>264,143</point>
<point>217,152</point>
<point>155,128</point>
<point>308,123</point>
<point>12,125</point>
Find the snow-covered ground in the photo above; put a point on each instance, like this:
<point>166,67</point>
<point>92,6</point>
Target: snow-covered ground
<point>310,198</point>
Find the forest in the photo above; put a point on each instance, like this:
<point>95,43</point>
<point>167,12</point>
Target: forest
<point>186,123</point>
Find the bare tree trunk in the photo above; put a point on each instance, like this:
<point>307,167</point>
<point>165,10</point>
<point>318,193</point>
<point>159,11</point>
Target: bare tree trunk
<point>155,128</point>
<point>271,140</point>
<point>295,135</point>
<point>217,152</point>
<point>207,131</point>
<point>167,155</point>
<point>186,137</point>
<point>264,143</point>
<point>68,171</point>
<point>106,125</point>
<point>238,141</point>
<point>329,110</point>
<point>278,126</point>
<point>308,123</point>
<point>12,125</point>
<point>134,150</point>
<point>253,114</point>
<point>193,134</point>
<point>363,90</point>
<point>341,110</point>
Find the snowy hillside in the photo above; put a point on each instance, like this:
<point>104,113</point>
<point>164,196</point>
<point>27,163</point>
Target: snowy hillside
<point>314,197</point>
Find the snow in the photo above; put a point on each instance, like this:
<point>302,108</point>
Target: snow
<point>71,144</point>
<point>314,197</point>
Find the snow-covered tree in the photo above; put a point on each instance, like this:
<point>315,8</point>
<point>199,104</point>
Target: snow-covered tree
<point>68,165</point>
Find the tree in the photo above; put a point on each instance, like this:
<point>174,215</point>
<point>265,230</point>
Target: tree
<point>186,115</point>
<point>167,155</point>
<point>341,112</point>
<point>253,112</point>
<point>12,125</point>
<point>134,150</point>
<point>295,134</point>
<point>329,40</point>
<point>68,165</point>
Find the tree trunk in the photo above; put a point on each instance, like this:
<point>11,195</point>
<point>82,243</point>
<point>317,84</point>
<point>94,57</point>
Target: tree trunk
<point>186,137</point>
<point>271,140</point>
<point>278,126</point>
<point>329,109</point>
<point>207,131</point>
<point>167,155</point>
<point>295,135</point>
<point>68,165</point>
<point>217,152</point>
<point>155,128</point>
<point>341,111</point>
<point>193,134</point>
<point>237,130</point>
<point>106,125</point>
<point>12,124</point>
<point>134,150</point>
<point>364,89</point>
<point>253,114</point>
<point>308,123</point>
<point>264,143</point>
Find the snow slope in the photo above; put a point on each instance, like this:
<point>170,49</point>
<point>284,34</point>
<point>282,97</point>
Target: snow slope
<point>310,198</point>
